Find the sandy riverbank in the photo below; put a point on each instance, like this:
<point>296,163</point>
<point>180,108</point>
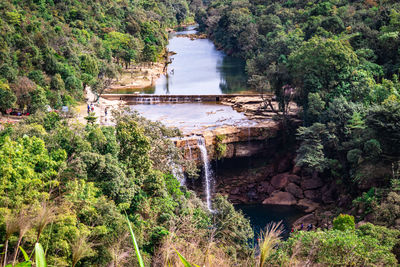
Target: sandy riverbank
<point>138,77</point>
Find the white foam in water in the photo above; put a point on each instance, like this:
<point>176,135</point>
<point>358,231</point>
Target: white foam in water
<point>207,171</point>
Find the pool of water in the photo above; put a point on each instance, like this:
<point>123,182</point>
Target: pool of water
<point>261,215</point>
<point>189,117</point>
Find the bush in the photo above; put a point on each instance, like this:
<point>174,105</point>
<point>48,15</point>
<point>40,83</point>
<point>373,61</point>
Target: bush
<point>344,222</point>
<point>57,83</point>
<point>73,84</point>
<point>338,248</point>
<point>37,77</point>
<point>7,97</point>
<point>51,120</point>
<point>38,100</point>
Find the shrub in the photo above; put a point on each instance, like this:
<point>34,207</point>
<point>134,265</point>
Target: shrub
<point>7,97</point>
<point>344,222</point>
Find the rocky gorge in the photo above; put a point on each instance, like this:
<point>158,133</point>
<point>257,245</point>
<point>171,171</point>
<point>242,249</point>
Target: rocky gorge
<point>257,165</point>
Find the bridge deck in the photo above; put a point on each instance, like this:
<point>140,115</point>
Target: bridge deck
<point>147,98</point>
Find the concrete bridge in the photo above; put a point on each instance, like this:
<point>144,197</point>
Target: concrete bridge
<point>152,99</point>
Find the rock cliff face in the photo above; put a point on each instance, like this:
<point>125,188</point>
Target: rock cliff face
<point>276,183</point>
<point>238,141</point>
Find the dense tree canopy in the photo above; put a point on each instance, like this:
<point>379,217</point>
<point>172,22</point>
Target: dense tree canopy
<point>63,46</point>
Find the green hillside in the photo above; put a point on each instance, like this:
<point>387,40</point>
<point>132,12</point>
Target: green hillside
<point>50,50</point>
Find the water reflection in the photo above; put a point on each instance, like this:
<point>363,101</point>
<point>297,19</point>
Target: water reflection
<point>199,68</point>
<point>233,75</point>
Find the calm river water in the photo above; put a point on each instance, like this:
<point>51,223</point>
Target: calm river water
<point>199,68</point>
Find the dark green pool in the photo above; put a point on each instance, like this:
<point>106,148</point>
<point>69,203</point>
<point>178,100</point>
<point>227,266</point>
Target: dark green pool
<point>260,215</point>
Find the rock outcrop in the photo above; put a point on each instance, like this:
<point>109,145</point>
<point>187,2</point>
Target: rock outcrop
<point>239,141</point>
<point>295,190</point>
<point>308,205</point>
<point>280,198</point>
<point>280,181</point>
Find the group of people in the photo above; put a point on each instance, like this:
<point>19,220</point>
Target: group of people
<point>90,108</point>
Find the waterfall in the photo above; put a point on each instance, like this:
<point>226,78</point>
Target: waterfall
<point>207,171</point>
<point>190,151</point>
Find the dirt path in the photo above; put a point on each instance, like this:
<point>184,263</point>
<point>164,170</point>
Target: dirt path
<point>99,108</point>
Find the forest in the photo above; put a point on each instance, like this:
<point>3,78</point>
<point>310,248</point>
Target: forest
<point>72,187</point>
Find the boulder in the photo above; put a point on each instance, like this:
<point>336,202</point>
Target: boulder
<point>294,190</point>
<point>238,199</point>
<point>307,204</point>
<point>265,187</point>
<point>230,151</point>
<point>311,184</point>
<point>314,195</point>
<point>252,195</point>
<point>268,170</point>
<point>344,200</point>
<point>284,164</point>
<point>296,169</point>
<point>305,220</point>
<point>280,198</point>
<point>280,181</point>
<point>294,179</point>
<point>235,191</point>
<point>328,194</point>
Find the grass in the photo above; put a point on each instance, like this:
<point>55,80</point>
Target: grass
<point>269,239</point>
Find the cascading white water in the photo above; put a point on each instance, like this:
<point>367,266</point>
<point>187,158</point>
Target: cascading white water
<point>207,171</point>
<point>190,151</point>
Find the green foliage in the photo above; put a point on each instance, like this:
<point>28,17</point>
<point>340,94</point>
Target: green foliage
<point>220,148</point>
<point>40,258</point>
<point>323,65</point>
<point>344,222</point>
<point>27,170</point>
<point>232,229</point>
<point>57,83</point>
<point>368,201</point>
<point>77,39</point>
<point>387,212</point>
<point>91,118</point>
<point>137,251</point>
<point>336,247</point>
<point>315,107</point>
<point>38,100</point>
<point>7,97</point>
<point>135,146</point>
<point>311,154</point>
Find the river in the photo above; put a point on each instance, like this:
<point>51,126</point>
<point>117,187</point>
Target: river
<point>199,68</point>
